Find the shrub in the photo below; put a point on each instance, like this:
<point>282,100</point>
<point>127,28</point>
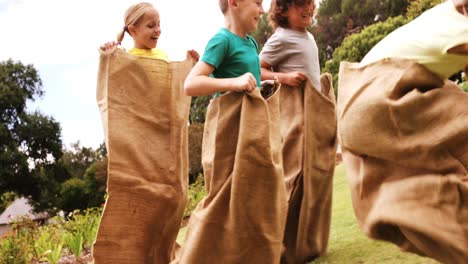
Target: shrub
<point>356,46</point>
<point>73,193</point>
<point>195,134</point>
<point>30,243</point>
<point>195,194</point>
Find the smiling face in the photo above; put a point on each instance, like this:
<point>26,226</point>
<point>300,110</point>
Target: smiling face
<point>300,17</point>
<point>146,33</point>
<point>250,12</point>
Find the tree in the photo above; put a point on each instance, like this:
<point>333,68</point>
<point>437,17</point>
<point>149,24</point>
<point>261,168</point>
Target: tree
<point>85,186</point>
<point>198,108</point>
<point>337,19</point>
<point>356,46</point>
<point>77,159</point>
<point>263,32</point>
<point>29,142</point>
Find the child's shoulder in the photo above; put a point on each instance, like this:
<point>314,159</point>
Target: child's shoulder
<point>223,33</point>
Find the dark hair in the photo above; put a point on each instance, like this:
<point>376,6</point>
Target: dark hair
<point>279,7</point>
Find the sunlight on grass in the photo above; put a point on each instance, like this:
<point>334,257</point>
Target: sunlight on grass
<point>348,244</point>
<point>181,235</point>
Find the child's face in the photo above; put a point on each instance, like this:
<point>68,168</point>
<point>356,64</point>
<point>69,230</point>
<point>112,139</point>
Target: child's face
<point>146,33</point>
<point>300,17</point>
<point>250,12</point>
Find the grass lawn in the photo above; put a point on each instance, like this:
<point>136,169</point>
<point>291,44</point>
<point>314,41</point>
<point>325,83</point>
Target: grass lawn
<point>347,244</point>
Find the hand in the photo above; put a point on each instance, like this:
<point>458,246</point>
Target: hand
<point>293,78</point>
<point>245,82</point>
<point>193,54</point>
<point>108,46</point>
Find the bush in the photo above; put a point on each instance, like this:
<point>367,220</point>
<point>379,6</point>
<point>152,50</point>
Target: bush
<point>195,134</point>
<point>356,46</point>
<point>464,86</point>
<point>30,243</point>
<point>195,194</point>
<point>73,193</point>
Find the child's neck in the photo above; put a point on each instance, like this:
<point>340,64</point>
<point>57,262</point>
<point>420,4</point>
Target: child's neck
<point>235,28</point>
<point>302,30</point>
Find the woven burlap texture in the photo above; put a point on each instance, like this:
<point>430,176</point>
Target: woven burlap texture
<point>308,128</point>
<point>144,114</point>
<point>242,217</point>
<point>404,134</point>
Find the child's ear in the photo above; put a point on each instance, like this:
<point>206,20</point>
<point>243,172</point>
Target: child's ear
<point>131,30</point>
<point>232,2</point>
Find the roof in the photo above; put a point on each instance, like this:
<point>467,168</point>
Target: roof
<point>20,207</point>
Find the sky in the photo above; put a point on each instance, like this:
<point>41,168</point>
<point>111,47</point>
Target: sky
<point>61,39</point>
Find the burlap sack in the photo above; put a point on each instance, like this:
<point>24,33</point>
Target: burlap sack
<point>144,113</point>
<point>308,129</point>
<point>242,217</point>
<point>404,133</point>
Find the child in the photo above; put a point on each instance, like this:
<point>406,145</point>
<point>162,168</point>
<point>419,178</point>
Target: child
<point>231,55</point>
<point>290,56</point>
<point>403,129</point>
<point>144,112</point>
<point>142,23</point>
<point>241,219</point>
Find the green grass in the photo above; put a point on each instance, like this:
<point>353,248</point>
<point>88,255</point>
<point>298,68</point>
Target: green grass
<point>348,244</point>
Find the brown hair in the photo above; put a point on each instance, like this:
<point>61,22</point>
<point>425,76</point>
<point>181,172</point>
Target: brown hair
<point>223,5</point>
<point>279,7</point>
<point>133,17</point>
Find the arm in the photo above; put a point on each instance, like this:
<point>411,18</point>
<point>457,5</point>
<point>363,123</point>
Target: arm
<point>460,49</point>
<point>199,82</point>
<point>289,78</point>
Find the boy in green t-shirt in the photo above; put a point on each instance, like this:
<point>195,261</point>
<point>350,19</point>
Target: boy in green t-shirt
<point>230,61</point>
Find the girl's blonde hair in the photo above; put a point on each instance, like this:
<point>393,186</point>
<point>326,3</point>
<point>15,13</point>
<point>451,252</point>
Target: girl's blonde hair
<point>133,17</point>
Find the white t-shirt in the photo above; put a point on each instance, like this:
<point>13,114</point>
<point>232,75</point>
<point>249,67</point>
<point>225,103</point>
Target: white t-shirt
<point>289,50</point>
<point>426,40</point>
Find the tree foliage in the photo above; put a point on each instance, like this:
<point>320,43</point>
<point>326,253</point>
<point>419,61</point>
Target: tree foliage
<point>86,170</point>
<point>263,32</point>
<point>77,159</point>
<point>33,162</point>
<point>29,142</point>
<point>417,7</point>
<point>356,46</point>
<point>337,19</point>
<point>198,108</point>
<point>195,138</point>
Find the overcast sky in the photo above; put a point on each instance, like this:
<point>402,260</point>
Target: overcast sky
<point>61,39</point>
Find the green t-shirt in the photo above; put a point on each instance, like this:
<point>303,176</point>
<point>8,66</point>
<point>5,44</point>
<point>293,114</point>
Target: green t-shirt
<point>232,56</point>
